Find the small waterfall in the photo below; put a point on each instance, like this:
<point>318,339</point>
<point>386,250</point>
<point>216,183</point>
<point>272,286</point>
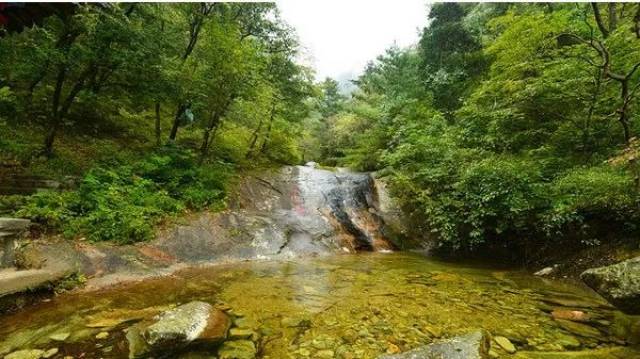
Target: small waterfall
<point>296,210</point>
<point>346,198</point>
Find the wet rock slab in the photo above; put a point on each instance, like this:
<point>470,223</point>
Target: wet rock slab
<point>474,345</point>
<point>618,283</point>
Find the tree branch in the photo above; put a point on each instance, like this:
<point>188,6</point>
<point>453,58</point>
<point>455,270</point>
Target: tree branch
<point>599,22</point>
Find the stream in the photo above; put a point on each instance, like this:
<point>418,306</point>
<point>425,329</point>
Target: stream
<point>356,306</point>
<point>319,280</point>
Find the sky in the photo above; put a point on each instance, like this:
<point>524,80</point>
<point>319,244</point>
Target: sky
<point>338,38</point>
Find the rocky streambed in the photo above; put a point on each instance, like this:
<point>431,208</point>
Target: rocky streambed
<point>356,306</point>
<point>301,265</point>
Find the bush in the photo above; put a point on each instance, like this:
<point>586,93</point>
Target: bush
<point>468,198</point>
<point>124,203</point>
<point>598,193</point>
<point>468,202</point>
<point>498,195</point>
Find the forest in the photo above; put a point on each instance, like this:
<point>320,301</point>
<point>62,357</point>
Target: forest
<point>149,107</point>
<point>507,125</point>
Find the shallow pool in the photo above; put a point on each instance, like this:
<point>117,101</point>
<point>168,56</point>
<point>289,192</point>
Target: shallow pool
<point>354,306</point>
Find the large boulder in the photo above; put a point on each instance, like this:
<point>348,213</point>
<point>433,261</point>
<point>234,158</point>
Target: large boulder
<point>190,326</point>
<point>618,283</point>
<point>474,345</point>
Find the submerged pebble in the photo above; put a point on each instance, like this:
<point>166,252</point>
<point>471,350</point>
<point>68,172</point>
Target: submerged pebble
<point>505,344</point>
<point>50,353</point>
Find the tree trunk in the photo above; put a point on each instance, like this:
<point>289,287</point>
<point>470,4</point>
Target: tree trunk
<point>176,122</point>
<point>158,129</point>
<point>598,18</point>
<point>613,17</point>
<point>60,110</point>
<point>624,110</point>
<point>214,124</point>
<point>206,140</point>
<point>265,143</point>
<point>55,108</point>
<point>32,87</point>
<point>51,136</point>
<point>194,31</point>
<point>254,139</point>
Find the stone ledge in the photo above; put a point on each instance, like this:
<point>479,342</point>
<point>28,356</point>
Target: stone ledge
<point>10,231</point>
<point>14,281</point>
<point>13,224</point>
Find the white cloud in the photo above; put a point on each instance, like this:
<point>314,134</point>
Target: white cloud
<point>340,37</point>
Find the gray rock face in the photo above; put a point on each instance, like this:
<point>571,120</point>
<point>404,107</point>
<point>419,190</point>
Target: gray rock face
<point>10,230</point>
<point>189,325</point>
<point>618,283</point>
<point>286,213</point>
<point>13,224</point>
<point>474,345</point>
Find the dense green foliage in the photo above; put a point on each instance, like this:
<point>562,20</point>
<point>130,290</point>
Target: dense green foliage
<point>124,203</point>
<point>150,107</point>
<point>506,123</point>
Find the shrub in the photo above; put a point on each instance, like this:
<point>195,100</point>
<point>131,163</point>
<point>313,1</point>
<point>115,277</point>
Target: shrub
<point>124,203</point>
<point>498,195</point>
<point>598,193</point>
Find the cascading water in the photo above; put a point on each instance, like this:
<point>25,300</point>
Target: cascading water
<point>295,211</point>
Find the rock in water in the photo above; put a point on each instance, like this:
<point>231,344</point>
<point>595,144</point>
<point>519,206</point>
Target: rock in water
<point>505,344</point>
<point>545,271</point>
<point>573,315</point>
<point>182,324</point>
<point>191,324</point>
<point>60,337</point>
<point>26,354</point>
<point>237,349</point>
<point>618,283</point>
<point>50,353</point>
<point>474,345</point>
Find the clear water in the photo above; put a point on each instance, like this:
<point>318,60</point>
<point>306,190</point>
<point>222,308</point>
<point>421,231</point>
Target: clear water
<point>356,306</point>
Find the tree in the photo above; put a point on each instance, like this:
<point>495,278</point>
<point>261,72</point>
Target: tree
<point>450,54</point>
<point>197,15</point>
<point>331,100</point>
